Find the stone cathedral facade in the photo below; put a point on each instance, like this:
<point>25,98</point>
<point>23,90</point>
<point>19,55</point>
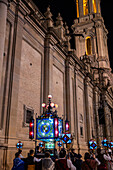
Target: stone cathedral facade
<point>37,59</point>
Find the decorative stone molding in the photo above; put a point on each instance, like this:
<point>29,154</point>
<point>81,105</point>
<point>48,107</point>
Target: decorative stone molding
<point>48,16</point>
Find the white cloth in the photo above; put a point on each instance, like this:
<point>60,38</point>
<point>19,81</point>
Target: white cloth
<point>21,156</point>
<point>36,160</point>
<point>70,165</point>
<point>98,162</point>
<point>107,157</point>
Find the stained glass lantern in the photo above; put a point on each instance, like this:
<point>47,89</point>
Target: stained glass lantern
<point>105,143</point>
<point>59,144</point>
<point>19,145</point>
<point>110,145</point>
<point>49,126</point>
<point>92,144</point>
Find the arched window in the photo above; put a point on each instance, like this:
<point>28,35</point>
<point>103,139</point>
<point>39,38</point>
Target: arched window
<point>85,7</point>
<point>94,6</point>
<point>88,46</point>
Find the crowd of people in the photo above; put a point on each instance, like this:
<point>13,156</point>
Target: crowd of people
<point>63,160</point>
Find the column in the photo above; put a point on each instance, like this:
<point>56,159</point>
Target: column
<point>3,17</point>
<point>90,6</point>
<point>95,97</point>
<point>68,90</point>
<point>87,109</point>
<point>81,12</point>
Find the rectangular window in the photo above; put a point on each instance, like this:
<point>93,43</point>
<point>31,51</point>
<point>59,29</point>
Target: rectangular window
<point>81,131</point>
<point>28,114</point>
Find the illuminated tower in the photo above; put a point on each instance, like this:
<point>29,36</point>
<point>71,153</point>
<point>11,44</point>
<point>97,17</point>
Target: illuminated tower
<point>90,23</point>
<point>92,48</point>
<point>85,7</point>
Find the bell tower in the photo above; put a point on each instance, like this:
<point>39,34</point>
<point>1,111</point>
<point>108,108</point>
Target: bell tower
<point>90,24</point>
<point>85,7</point>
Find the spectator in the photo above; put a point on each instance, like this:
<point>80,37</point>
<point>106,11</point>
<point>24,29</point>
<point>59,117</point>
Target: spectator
<point>20,152</point>
<point>47,163</point>
<point>18,164</point>
<point>102,158</point>
<point>30,160</point>
<point>89,164</point>
<point>62,163</point>
<point>78,162</point>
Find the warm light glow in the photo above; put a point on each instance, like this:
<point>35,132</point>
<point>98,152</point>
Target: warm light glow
<point>85,7</point>
<point>94,6</point>
<point>88,46</point>
<point>56,106</point>
<point>52,104</point>
<point>31,124</point>
<point>49,96</point>
<point>77,7</point>
<point>31,133</point>
<point>43,105</point>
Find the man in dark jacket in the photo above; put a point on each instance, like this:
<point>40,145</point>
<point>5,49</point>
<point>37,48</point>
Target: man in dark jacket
<point>18,164</point>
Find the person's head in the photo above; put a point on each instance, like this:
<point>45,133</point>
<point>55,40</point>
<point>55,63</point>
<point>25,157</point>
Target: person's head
<point>73,150</point>
<point>79,156</point>
<point>98,150</point>
<point>31,152</point>
<point>20,151</point>
<point>47,154</point>
<point>17,155</point>
<point>86,156</point>
<point>62,153</point>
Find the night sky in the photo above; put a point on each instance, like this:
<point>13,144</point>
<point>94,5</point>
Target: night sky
<point>67,9</point>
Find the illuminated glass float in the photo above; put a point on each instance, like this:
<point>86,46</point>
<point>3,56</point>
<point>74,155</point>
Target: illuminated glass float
<point>92,144</point>
<point>105,143</point>
<point>110,145</point>
<point>49,126</point>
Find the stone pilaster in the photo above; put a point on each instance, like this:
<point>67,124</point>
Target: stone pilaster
<point>68,110</point>
<point>90,7</point>
<point>87,109</point>
<point>3,16</point>
<point>48,65</point>
<point>81,12</point>
<point>95,105</point>
<point>76,112</point>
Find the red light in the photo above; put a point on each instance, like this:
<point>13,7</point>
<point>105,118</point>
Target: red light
<point>56,132</point>
<point>31,133</point>
<point>31,124</point>
<point>67,126</point>
<point>56,122</point>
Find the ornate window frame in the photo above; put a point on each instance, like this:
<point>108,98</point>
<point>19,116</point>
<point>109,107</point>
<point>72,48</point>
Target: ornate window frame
<point>26,108</point>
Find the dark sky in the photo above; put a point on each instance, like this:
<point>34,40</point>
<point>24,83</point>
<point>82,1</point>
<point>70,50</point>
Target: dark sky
<point>67,9</point>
